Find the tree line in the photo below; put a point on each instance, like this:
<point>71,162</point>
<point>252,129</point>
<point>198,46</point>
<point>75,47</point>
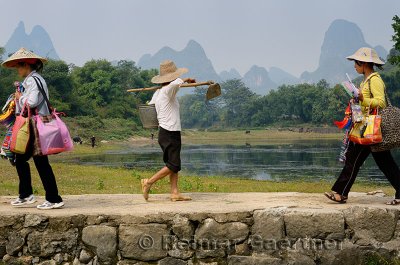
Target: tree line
<point>319,104</point>
<point>238,107</point>
<point>98,90</point>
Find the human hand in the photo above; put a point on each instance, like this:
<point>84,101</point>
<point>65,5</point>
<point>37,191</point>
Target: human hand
<point>18,95</point>
<point>189,80</point>
<point>360,95</point>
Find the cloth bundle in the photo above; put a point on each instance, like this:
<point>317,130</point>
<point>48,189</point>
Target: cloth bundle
<point>7,119</point>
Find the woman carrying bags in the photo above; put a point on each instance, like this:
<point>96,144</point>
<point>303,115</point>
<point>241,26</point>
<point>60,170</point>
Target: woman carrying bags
<point>169,137</point>
<point>371,97</point>
<point>28,66</point>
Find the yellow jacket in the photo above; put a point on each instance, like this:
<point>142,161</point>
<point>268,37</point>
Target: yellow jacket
<point>377,89</point>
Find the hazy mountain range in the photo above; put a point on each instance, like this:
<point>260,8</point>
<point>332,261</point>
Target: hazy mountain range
<point>341,39</point>
<point>192,57</point>
<point>38,41</point>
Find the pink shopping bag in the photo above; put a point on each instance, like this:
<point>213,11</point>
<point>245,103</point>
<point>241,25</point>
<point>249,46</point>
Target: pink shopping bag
<point>53,135</point>
<point>68,144</point>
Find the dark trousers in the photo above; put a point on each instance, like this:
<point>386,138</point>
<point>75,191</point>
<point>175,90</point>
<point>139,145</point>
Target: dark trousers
<point>171,144</point>
<point>355,158</point>
<point>45,172</point>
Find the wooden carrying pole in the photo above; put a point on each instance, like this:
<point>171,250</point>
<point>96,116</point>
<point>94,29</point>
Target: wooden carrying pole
<point>183,85</point>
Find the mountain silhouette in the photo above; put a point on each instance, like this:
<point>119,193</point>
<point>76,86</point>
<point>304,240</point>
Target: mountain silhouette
<point>231,74</point>
<point>281,77</point>
<point>192,57</point>
<point>37,41</point>
<point>342,39</point>
<point>258,80</point>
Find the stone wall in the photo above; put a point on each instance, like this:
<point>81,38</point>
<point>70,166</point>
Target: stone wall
<point>269,236</point>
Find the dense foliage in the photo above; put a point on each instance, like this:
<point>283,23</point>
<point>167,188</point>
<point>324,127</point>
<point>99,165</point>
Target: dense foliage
<point>95,94</point>
<point>394,57</point>
<point>97,90</point>
<point>238,107</point>
<point>304,103</point>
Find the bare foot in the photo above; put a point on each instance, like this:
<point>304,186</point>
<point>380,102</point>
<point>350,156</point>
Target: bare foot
<point>180,197</point>
<point>145,188</point>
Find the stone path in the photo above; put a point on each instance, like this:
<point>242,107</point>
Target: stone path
<point>214,228</point>
<point>123,204</point>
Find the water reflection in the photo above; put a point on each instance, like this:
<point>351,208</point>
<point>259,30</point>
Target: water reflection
<point>307,160</point>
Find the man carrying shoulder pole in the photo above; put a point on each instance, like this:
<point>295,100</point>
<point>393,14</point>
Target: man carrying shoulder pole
<point>169,137</point>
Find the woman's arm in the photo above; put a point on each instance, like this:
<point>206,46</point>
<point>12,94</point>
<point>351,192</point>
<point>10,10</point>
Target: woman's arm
<point>32,96</point>
<point>377,89</point>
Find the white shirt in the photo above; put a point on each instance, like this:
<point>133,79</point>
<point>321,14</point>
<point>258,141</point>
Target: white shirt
<point>32,95</point>
<point>167,106</point>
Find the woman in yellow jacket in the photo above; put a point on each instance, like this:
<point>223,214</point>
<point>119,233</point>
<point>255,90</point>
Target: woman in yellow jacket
<point>372,95</point>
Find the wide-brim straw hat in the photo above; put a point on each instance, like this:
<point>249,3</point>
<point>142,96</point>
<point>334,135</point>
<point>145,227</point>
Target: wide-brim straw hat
<point>168,73</point>
<point>367,55</point>
<point>22,55</point>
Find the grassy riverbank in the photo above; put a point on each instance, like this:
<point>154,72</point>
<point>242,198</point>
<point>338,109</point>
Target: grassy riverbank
<point>76,179</point>
<point>115,130</point>
<point>239,137</point>
<point>267,135</point>
<point>234,137</point>
<point>79,179</point>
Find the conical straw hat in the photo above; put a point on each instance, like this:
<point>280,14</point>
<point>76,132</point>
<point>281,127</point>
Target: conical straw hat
<point>22,55</point>
<point>367,55</point>
<point>168,73</point>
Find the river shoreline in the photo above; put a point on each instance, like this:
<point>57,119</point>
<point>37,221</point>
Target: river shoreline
<point>89,179</point>
<point>75,179</point>
<point>287,135</point>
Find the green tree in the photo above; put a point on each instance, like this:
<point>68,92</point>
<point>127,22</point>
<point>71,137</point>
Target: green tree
<point>1,54</point>
<point>7,78</point>
<point>59,82</point>
<point>197,112</point>
<point>101,87</point>
<point>395,57</point>
<point>237,104</point>
<point>93,82</point>
<point>392,83</point>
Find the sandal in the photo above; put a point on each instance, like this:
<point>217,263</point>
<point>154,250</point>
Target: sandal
<point>145,188</point>
<point>393,202</point>
<point>331,196</point>
<point>179,198</point>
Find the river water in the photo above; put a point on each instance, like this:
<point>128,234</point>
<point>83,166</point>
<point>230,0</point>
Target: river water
<point>308,160</point>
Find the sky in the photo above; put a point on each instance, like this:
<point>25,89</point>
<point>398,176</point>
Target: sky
<point>234,33</point>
